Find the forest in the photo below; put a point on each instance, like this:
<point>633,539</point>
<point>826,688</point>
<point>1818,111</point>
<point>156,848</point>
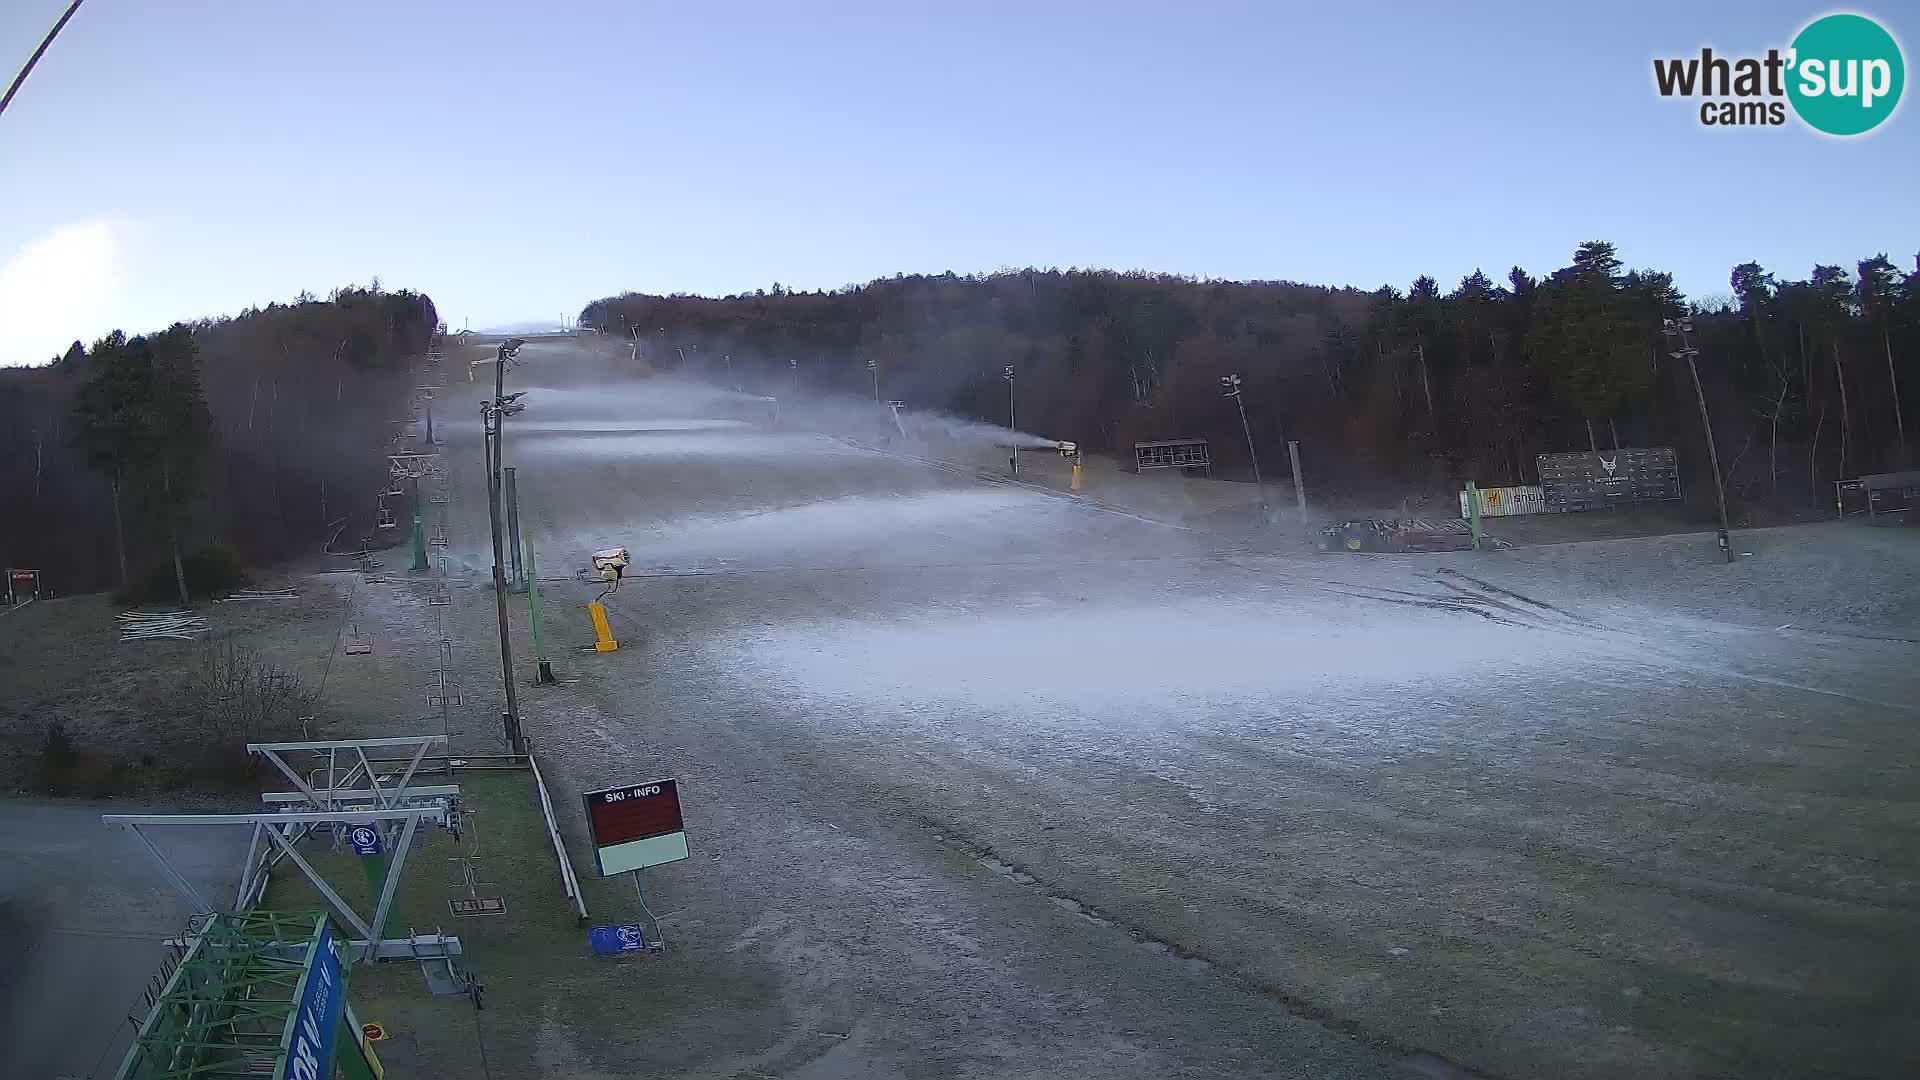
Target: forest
<point>247,437</point>
<point>261,432</point>
<point>1806,379</point>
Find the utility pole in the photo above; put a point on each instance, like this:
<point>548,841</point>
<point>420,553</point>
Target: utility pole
<point>1299,482</point>
<point>1678,330</point>
<point>1231,385</point>
<point>1013,445</point>
<point>873,368</point>
<point>492,416</point>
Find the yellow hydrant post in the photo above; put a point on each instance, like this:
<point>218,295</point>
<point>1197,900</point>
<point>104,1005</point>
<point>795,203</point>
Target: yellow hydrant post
<point>602,633</point>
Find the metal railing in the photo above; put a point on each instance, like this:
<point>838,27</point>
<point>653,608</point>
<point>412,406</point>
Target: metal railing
<point>569,881</point>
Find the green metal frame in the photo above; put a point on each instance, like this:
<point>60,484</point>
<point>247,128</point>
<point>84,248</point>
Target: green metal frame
<point>227,1007</point>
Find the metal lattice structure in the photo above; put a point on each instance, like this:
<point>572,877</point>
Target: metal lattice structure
<point>1186,454</point>
<point>227,1008</point>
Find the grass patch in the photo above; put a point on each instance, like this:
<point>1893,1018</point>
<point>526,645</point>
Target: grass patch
<point>551,1006</point>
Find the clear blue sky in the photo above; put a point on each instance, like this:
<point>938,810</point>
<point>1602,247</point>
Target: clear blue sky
<point>517,160</point>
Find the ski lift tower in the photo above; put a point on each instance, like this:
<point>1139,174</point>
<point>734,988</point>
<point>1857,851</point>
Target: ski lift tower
<point>257,993</point>
<point>379,814</point>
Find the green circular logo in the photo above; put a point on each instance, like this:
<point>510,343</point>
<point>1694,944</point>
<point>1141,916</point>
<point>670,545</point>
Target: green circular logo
<point>1846,74</point>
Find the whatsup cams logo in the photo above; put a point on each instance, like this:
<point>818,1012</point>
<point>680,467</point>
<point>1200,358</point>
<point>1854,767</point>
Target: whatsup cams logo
<point>1842,75</point>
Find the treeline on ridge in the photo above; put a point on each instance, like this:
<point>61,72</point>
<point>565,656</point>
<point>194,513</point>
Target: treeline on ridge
<point>1807,380</point>
<point>251,433</point>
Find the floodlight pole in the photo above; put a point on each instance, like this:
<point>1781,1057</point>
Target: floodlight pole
<point>1013,441</point>
<point>1231,384</point>
<point>1687,352</point>
<point>496,411</point>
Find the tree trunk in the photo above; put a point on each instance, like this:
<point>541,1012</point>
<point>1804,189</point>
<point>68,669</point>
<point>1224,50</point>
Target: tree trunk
<point>1846,422</point>
<point>1773,453</point>
<point>1899,425</point>
<point>1426,387</point>
<point>173,531</point>
<point>1813,458</point>
<point>1592,443</point>
<point>119,530</point>
<point>1613,431</point>
<point>1806,357</point>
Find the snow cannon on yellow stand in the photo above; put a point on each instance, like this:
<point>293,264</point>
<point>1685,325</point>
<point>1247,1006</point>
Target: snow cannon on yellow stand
<point>611,565</point>
<point>1070,451</point>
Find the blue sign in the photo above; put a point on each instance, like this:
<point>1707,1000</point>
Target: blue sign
<point>365,840</point>
<point>613,940</point>
<point>310,1051</point>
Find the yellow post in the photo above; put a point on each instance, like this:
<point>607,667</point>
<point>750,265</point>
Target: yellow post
<point>602,633</point>
<point>1076,477</point>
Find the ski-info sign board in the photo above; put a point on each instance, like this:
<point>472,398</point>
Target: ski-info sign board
<point>636,826</point>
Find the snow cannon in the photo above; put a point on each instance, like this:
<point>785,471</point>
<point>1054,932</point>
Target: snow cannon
<point>610,563</point>
<point>1070,451</point>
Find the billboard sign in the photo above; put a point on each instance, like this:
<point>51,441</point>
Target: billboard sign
<point>1599,480</point>
<point>1506,502</point>
<point>322,996</point>
<point>22,585</point>
<point>636,826</point>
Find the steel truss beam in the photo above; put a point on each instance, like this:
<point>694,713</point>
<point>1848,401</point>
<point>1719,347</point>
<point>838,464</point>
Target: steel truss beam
<point>283,832</point>
<point>323,796</point>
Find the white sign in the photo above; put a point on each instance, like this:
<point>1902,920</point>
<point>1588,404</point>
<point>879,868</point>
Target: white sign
<point>1506,502</point>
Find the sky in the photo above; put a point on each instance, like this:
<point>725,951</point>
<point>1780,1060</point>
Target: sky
<point>515,161</point>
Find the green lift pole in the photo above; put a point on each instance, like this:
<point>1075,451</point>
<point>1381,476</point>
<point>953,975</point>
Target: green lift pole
<point>419,533</point>
<point>536,622</point>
